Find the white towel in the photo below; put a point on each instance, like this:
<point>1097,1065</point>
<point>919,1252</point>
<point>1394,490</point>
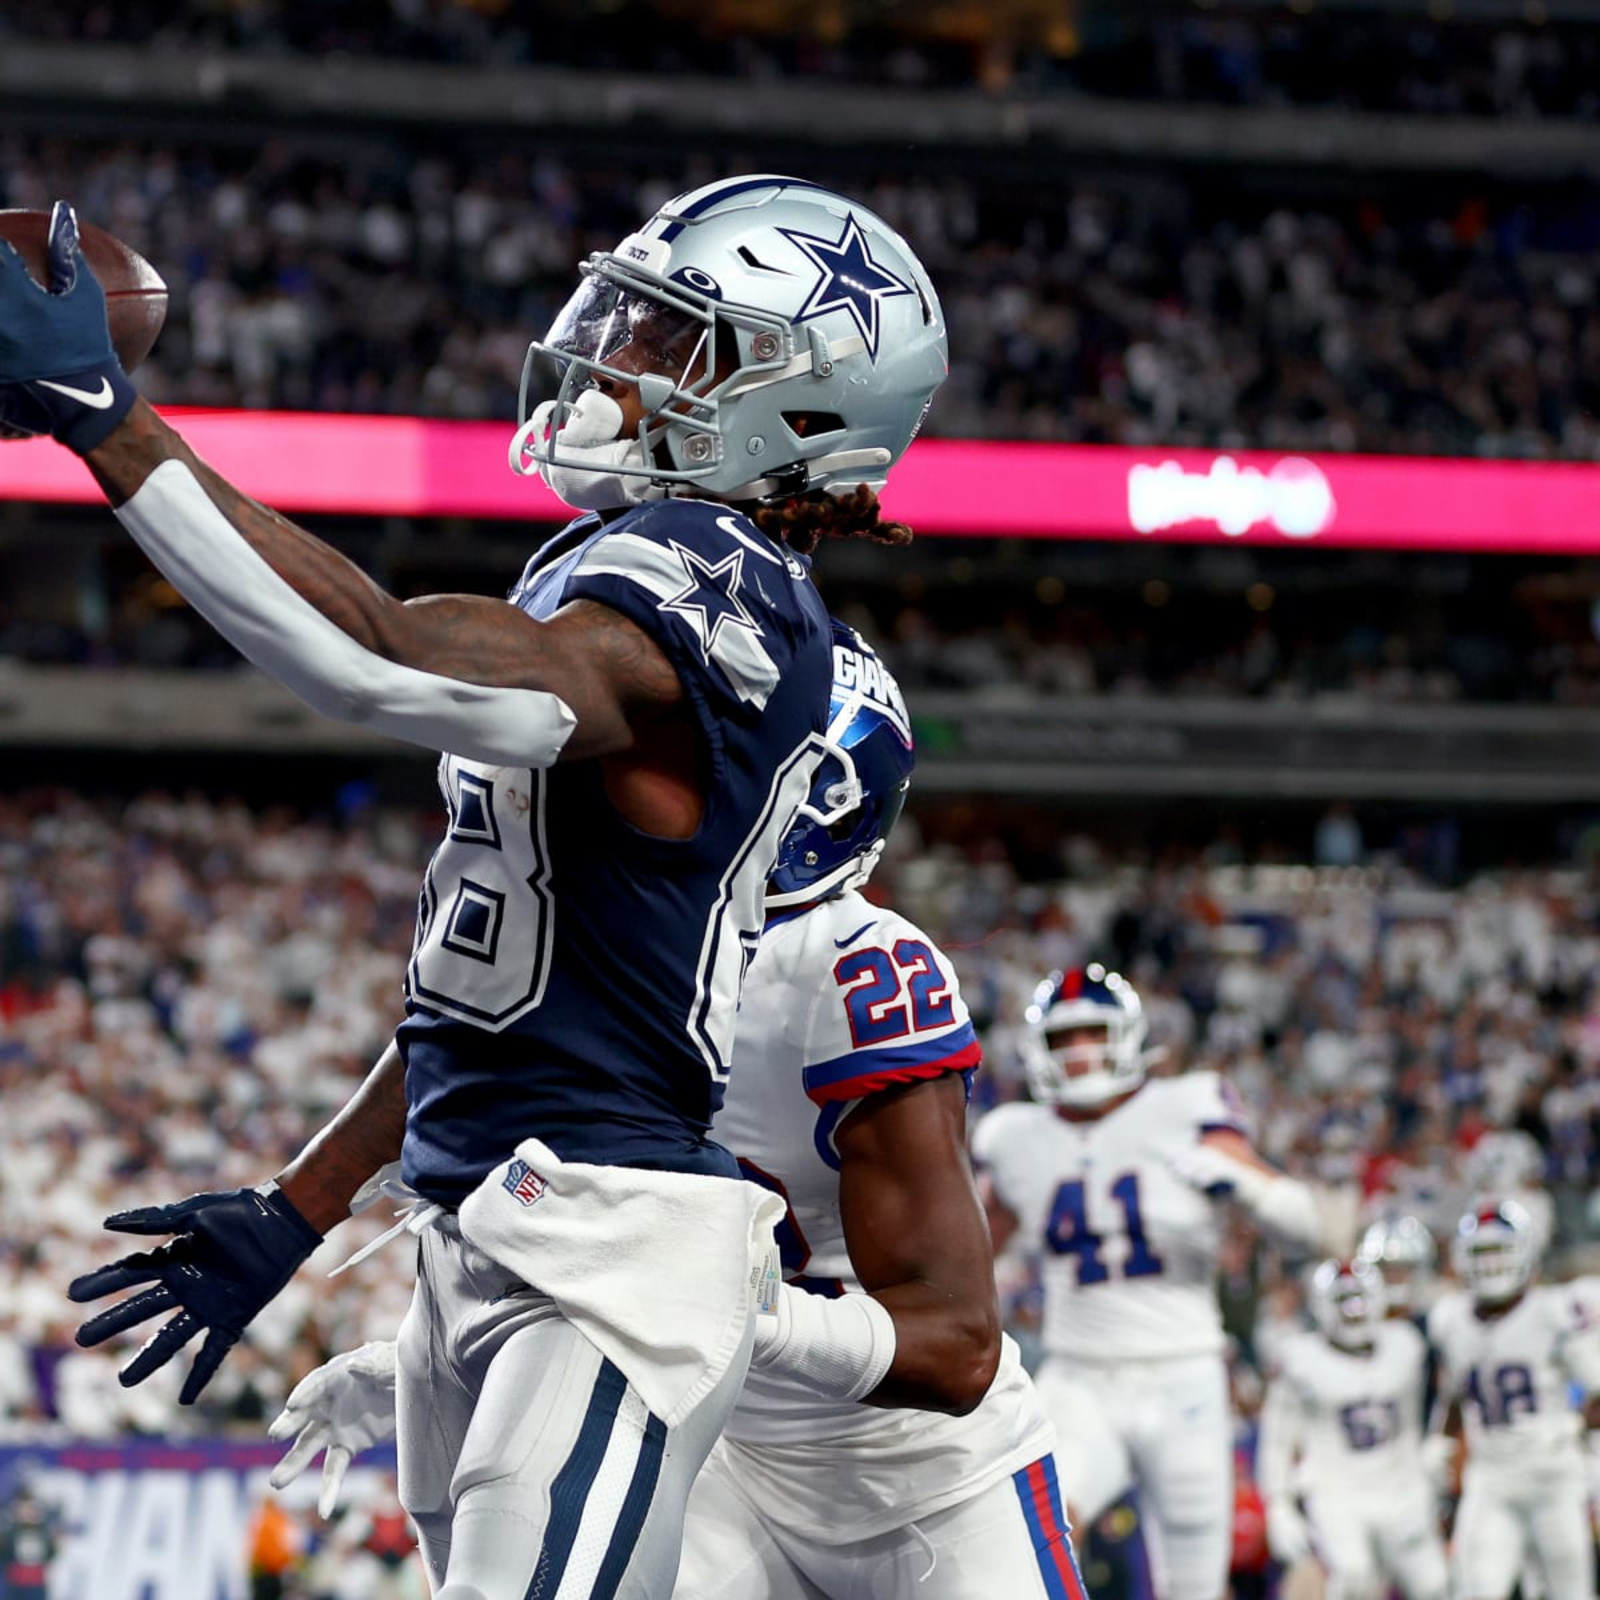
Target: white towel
<point>661,1270</point>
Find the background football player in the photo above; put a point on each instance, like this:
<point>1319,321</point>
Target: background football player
<point>1401,1247</point>
<point>848,1100</point>
<point>1510,1353</point>
<point>1340,1456</point>
<point>1117,1181</point>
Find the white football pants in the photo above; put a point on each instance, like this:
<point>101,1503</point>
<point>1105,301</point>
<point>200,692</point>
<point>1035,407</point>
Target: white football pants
<point>531,1467</point>
<point>1008,1540</point>
<point>1368,1542</point>
<point>1510,1518</point>
<point>1164,1428</point>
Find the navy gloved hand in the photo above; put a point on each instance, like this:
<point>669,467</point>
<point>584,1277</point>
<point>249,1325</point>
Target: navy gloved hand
<point>58,372</point>
<point>235,1252</point>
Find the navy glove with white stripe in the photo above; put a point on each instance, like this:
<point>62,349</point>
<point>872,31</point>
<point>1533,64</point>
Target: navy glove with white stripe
<point>58,372</point>
<point>233,1253</point>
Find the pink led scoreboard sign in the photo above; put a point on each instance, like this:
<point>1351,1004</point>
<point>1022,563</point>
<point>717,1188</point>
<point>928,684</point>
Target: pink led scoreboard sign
<point>406,466</point>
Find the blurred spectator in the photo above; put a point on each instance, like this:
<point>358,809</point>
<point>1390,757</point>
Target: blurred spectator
<point>1175,309</point>
<point>195,980</point>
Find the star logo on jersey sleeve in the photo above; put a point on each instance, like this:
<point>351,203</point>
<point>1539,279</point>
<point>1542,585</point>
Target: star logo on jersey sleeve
<point>851,280</point>
<point>710,601</point>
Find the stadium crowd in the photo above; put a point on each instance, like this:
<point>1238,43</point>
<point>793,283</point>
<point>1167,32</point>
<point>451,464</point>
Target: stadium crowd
<point>187,985</point>
<point>1171,310</point>
<point>1218,53</point>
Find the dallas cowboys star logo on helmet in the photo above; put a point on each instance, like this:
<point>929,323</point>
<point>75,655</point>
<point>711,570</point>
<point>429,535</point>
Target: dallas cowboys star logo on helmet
<point>710,599</point>
<point>851,280</point>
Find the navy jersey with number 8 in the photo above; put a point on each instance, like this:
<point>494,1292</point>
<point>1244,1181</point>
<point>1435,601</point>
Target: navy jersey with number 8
<point>535,1005</point>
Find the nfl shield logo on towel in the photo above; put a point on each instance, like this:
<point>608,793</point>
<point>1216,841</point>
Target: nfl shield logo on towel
<point>523,1183</point>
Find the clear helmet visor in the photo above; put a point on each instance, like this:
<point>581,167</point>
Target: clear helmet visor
<point>631,330</point>
<point>616,399</point>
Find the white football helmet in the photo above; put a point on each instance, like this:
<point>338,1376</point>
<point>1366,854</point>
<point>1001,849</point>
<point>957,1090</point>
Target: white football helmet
<point>1494,1253</point>
<point>791,338</point>
<point>1348,1302</point>
<point>1065,1070</point>
<point>1402,1249</point>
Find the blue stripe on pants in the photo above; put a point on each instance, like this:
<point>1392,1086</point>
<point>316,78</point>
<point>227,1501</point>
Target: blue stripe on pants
<point>569,1493</point>
<point>635,1508</point>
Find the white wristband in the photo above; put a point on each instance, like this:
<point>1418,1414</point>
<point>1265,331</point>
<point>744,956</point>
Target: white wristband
<point>183,531</point>
<point>840,1349</point>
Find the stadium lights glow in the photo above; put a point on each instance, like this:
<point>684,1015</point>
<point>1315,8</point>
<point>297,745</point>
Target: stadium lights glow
<point>406,466</point>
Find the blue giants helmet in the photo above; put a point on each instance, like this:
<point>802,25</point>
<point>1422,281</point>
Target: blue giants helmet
<point>860,787</point>
<point>1078,1071</point>
<point>1494,1253</point>
<point>790,340</point>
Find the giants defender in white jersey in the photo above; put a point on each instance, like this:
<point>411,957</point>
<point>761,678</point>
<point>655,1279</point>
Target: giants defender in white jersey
<point>1511,1353</point>
<point>848,1101</point>
<point>1116,1181</point>
<point>1340,1457</point>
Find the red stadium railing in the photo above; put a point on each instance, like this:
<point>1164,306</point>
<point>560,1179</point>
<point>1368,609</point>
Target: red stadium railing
<point>407,466</point>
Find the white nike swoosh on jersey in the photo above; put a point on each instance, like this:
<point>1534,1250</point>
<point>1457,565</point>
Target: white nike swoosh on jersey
<point>99,400</point>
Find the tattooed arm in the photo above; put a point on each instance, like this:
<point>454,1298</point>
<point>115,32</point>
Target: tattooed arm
<point>585,683</point>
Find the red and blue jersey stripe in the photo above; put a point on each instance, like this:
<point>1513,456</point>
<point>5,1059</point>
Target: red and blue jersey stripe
<point>864,1072</point>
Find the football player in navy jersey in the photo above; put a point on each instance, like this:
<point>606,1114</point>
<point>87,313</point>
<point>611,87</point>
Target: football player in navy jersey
<point>888,1444</point>
<point>625,744</point>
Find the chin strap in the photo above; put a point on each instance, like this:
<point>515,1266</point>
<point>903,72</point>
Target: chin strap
<point>841,461</point>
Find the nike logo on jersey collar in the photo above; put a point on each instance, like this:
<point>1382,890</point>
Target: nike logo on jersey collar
<point>98,399</point>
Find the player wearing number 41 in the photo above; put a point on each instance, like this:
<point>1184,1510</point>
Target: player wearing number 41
<point>1116,1181</point>
<point>1349,1483</point>
<point>627,739</point>
<point>848,1100</point>
<point>1510,1354</point>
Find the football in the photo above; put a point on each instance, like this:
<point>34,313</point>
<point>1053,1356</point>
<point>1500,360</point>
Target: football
<point>136,297</point>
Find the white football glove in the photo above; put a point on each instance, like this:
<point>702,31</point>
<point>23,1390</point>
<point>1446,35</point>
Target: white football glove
<point>1288,1537</point>
<point>345,1406</point>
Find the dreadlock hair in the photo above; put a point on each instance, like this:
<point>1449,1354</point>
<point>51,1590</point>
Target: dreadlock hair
<point>803,521</point>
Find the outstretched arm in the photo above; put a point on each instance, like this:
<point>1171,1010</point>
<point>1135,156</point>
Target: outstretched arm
<point>462,673</point>
<point>1224,1165</point>
<point>466,673</point>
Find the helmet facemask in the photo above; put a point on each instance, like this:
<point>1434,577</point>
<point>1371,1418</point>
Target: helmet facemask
<point>678,347</point>
<point>1085,1050</point>
<point>1349,1302</point>
<point>1493,1255</point>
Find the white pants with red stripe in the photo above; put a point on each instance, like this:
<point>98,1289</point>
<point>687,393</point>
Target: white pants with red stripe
<point>1163,1428</point>
<point>1008,1540</point>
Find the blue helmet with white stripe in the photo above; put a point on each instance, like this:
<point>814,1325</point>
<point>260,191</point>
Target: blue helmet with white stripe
<point>793,342</point>
<point>860,788</point>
